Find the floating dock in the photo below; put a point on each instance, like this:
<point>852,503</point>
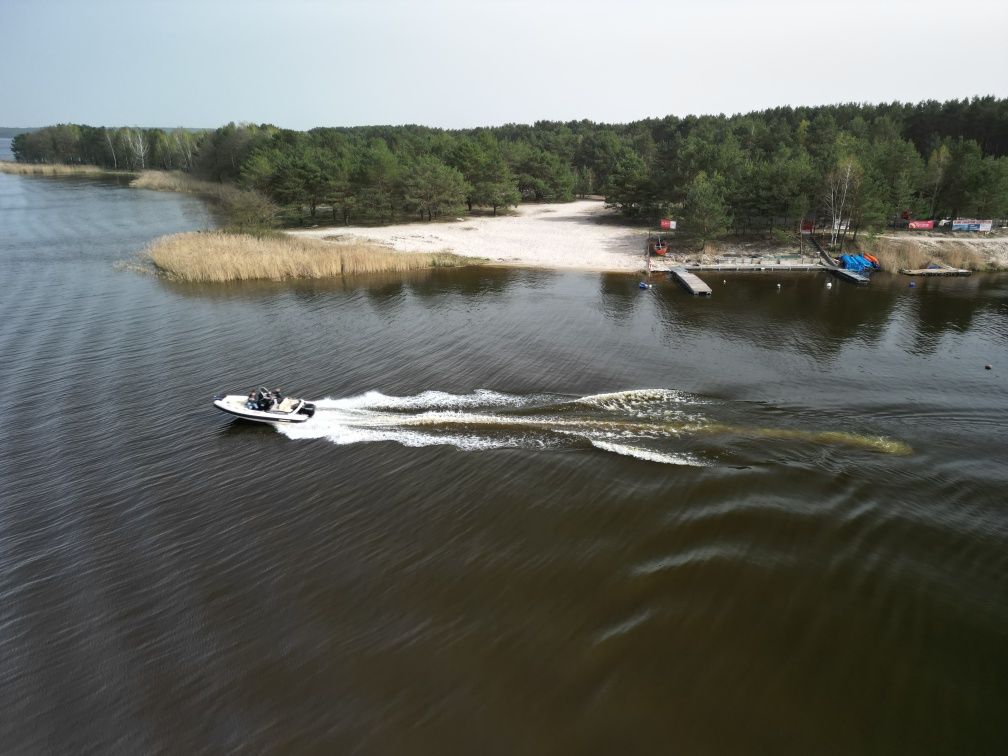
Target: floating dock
<point>849,275</point>
<point>691,283</point>
<point>754,266</point>
<point>666,265</point>
<point>831,264</point>
<point>941,270</point>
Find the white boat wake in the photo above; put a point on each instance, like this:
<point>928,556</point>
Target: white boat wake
<point>653,425</point>
<point>627,423</point>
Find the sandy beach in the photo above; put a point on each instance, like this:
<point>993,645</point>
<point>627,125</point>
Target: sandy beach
<point>585,235</point>
<point>581,235</point>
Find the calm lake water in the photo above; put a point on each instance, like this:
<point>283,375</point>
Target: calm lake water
<point>536,512</point>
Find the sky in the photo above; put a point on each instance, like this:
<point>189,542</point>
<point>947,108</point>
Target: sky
<point>452,64</point>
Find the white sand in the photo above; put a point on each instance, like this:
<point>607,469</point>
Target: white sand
<point>581,235</point>
<point>571,235</point>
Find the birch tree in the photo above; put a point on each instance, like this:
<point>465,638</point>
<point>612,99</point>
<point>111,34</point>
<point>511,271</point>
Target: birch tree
<point>111,146</point>
<point>842,186</point>
<point>136,142</point>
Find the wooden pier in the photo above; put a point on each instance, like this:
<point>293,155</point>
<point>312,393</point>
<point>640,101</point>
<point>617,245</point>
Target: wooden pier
<point>827,259</point>
<point>664,264</point>
<point>691,283</point>
<point>753,266</point>
<point>941,270</point>
<point>831,264</point>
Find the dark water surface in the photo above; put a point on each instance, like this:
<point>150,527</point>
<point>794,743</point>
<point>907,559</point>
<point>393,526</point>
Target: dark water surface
<point>536,512</point>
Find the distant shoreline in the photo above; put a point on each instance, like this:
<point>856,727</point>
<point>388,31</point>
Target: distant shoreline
<point>582,235</point>
<point>57,169</point>
<point>237,207</point>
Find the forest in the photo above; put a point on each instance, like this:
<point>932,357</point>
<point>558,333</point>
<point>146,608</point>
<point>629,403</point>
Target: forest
<point>856,166</point>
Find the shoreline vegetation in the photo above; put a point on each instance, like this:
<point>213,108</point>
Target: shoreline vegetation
<point>240,210</point>
<point>220,256</point>
<point>735,184</point>
<point>899,253</point>
<point>59,169</point>
<point>856,167</point>
<point>237,208</point>
<point>522,239</point>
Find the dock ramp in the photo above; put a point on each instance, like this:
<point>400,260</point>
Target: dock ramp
<point>691,282</point>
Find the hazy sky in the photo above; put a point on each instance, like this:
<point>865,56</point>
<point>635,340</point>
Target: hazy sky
<point>305,63</point>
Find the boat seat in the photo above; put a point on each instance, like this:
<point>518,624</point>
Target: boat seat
<point>287,405</point>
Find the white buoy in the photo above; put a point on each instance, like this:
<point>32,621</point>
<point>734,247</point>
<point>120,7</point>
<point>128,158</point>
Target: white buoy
<point>724,281</point>
<point>778,286</point>
<point>829,284</point>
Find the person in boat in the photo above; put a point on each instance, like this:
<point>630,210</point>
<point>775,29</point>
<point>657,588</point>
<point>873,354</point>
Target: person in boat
<point>264,400</point>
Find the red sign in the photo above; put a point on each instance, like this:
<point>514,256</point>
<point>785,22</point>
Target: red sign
<point>667,224</point>
<point>807,226</point>
<point>921,225</point>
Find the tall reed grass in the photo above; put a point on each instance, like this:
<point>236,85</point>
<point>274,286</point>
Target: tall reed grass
<point>238,209</point>
<point>177,181</point>
<point>909,253</point>
<point>242,210</point>
<point>57,169</point>
<point>217,256</point>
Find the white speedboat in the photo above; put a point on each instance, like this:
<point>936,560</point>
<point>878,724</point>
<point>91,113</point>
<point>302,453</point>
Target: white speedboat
<point>265,406</point>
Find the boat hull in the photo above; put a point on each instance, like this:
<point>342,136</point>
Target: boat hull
<point>236,406</point>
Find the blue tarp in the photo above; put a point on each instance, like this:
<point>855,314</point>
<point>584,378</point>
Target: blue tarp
<point>856,263</point>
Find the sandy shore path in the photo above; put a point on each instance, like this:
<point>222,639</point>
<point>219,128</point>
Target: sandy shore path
<point>580,235</point>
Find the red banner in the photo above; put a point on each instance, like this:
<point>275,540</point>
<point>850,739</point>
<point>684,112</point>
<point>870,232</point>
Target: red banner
<point>921,225</point>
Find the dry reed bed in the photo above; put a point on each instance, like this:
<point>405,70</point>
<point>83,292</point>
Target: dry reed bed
<point>217,256</point>
<point>56,169</point>
<point>899,254</point>
<point>176,181</point>
<point>242,209</point>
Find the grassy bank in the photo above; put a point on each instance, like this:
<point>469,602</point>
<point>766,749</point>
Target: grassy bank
<point>895,254</point>
<point>239,209</point>
<point>218,256</point>
<point>55,169</point>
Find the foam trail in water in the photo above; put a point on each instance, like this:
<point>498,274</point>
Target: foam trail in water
<point>648,455</point>
<point>492,420</point>
<point>375,400</point>
<point>619,400</point>
<point>643,423</point>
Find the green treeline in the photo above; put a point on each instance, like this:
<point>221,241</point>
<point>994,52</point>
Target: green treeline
<point>851,166</point>
<point>125,149</point>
